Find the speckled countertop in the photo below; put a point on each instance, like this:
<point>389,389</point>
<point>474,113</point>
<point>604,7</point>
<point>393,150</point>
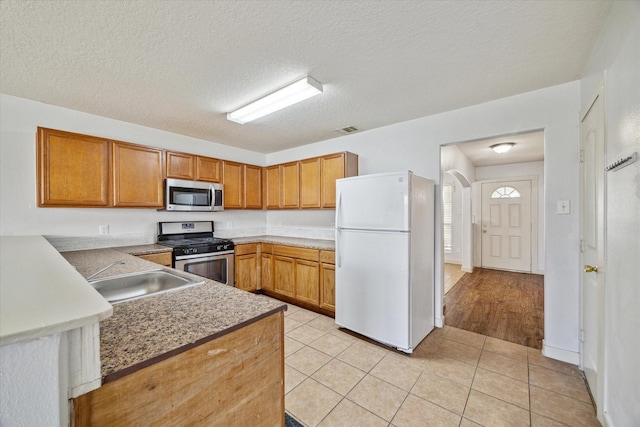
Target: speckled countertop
<point>289,241</point>
<point>144,331</point>
<point>144,249</point>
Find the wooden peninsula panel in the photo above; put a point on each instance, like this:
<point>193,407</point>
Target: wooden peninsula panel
<point>236,379</point>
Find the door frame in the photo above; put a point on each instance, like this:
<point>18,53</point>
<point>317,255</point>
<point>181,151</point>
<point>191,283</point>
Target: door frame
<point>477,218</point>
<point>601,234</point>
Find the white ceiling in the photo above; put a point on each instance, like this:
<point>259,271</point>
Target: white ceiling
<point>529,147</point>
<point>182,65</point>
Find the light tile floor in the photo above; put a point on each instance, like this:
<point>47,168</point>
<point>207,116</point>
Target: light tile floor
<point>454,378</point>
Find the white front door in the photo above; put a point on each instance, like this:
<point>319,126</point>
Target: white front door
<point>592,246</point>
<point>506,225</point>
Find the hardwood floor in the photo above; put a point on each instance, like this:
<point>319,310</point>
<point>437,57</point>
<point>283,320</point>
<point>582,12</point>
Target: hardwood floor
<point>500,304</point>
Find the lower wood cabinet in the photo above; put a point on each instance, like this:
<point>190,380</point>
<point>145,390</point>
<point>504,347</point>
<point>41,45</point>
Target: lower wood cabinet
<point>236,379</point>
<point>163,258</point>
<point>328,281</point>
<point>247,266</point>
<point>299,275</point>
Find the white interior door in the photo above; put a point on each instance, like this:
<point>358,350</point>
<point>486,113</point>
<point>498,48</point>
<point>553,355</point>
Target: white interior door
<point>592,246</point>
<point>506,225</point>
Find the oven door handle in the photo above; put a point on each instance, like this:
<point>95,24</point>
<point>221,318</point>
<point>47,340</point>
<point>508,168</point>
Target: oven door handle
<point>204,255</point>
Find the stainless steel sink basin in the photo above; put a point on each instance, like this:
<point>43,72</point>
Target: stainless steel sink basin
<point>138,285</point>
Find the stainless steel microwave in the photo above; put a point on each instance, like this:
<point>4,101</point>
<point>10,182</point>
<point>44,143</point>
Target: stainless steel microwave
<point>184,195</point>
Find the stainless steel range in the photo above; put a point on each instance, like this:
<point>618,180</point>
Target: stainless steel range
<point>196,251</point>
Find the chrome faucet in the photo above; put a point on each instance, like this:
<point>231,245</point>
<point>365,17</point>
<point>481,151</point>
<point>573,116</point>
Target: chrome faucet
<point>104,269</point>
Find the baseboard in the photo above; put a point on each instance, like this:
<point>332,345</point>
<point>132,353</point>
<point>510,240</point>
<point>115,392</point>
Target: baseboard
<point>467,269</point>
<point>607,420</point>
<point>560,354</point>
<point>439,322</point>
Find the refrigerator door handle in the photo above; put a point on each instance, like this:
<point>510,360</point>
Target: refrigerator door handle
<point>375,230</point>
<point>338,210</point>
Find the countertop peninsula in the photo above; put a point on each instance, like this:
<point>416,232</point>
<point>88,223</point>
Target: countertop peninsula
<point>147,330</point>
<point>40,293</point>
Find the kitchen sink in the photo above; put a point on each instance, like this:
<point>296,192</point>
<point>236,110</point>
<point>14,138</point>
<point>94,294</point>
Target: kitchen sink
<point>138,285</point>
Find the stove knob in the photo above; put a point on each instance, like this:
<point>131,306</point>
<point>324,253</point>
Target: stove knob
<point>219,247</point>
<point>226,247</point>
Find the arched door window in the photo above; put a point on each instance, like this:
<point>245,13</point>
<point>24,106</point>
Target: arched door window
<point>505,193</point>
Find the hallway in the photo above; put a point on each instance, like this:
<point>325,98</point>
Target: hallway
<point>500,304</point>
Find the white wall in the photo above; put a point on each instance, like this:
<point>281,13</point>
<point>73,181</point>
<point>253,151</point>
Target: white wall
<point>19,214</point>
<point>519,170</point>
<point>617,53</point>
<point>415,145</point>
<point>30,392</point>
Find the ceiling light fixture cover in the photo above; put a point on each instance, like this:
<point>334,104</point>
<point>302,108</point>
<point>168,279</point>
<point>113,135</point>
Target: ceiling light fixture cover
<point>288,95</point>
<point>502,147</point>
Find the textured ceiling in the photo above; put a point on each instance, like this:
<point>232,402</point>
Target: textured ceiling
<point>182,65</point>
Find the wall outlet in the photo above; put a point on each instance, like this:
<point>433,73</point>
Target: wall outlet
<point>229,224</point>
<point>103,230</point>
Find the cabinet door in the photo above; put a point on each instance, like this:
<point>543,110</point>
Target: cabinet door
<point>266,272</point>
<point>137,176</point>
<point>284,275</point>
<point>328,287</point>
<point>272,187</point>
<point>247,272</point>
<point>73,169</point>
<point>290,185</point>
<point>180,165</point>
<point>252,187</point>
<point>207,169</point>
<point>310,183</point>
<point>232,179</point>
<point>163,258</point>
<point>332,167</point>
<point>307,287</point>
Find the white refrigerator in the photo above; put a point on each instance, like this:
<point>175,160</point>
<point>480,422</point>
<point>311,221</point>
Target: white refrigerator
<point>385,257</point>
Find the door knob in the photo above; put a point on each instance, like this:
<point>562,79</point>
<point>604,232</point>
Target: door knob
<point>590,268</point>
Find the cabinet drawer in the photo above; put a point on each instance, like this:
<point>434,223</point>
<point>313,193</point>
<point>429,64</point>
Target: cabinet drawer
<point>294,252</point>
<point>328,257</point>
<point>249,248</point>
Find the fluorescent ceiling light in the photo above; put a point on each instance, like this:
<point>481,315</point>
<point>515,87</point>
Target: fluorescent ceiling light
<point>502,147</point>
<point>288,95</point>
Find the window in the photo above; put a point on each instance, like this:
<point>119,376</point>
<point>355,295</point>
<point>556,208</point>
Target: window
<point>505,193</point>
<point>447,207</point>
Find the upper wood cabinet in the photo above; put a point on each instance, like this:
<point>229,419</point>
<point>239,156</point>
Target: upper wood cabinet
<point>232,178</point>
<point>332,167</point>
<point>290,185</point>
<point>207,169</point>
<point>271,187</point>
<point>242,185</point>
<point>282,186</point>
<point>180,165</point>
<point>310,183</point>
<point>72,169</point>
<point>137,176</point>
<point>252,187</point>
<point>192,167</point>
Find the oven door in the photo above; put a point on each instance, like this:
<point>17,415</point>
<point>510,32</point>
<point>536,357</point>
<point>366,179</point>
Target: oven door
<point>215,266</point>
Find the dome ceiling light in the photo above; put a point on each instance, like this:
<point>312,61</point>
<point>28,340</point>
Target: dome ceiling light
<point>503,147</point>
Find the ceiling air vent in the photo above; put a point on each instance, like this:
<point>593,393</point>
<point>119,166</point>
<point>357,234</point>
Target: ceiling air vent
<point>348,130</point>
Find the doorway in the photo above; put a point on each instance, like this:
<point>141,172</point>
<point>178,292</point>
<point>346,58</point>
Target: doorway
<point>505,246</point>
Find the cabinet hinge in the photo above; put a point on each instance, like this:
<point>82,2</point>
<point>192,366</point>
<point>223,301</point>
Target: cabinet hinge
<point>581,245</point>
<point>581,156</point>
<point>581,335</point>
